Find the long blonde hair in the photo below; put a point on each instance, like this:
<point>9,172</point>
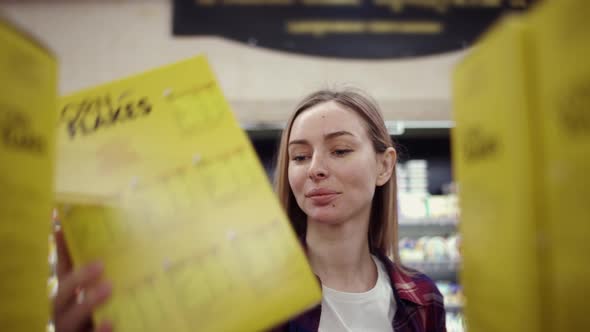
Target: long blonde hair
<point>383,226</point>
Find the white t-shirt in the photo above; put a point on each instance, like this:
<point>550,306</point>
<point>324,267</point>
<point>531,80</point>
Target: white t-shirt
<point>371,311</point>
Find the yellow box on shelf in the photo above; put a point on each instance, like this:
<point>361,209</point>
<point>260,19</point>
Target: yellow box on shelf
<point>562,46</point>
<point>521,157</point>
<point>494,159</point>
<point>28,83</point>
<point>157,180</point>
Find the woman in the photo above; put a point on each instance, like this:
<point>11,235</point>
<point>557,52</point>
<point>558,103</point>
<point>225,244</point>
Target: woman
<point>335,178</point>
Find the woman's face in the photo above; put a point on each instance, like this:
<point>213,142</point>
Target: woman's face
<point>333,168</point>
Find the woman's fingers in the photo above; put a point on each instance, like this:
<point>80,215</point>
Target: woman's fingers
<point>76,280</point>
<point>79,292</point>
<point>77,316</point>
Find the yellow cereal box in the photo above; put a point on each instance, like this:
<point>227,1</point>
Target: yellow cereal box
<point>28,80</point>
<point>562,46</point>
<point>494,160</point>
<point>157,180</point>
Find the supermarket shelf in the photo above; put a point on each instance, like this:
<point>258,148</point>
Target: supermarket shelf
<point>437,270</point>
<point>427,227</point>
<point>405,221</point>
<point>453,308</point>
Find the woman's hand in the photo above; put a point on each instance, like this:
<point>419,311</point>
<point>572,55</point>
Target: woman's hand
<point>79,293</point>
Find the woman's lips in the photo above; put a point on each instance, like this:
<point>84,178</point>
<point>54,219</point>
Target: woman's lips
<point>323,199</point>
<point>322,196</point>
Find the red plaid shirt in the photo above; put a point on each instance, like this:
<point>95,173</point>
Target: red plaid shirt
<point>419,305</point>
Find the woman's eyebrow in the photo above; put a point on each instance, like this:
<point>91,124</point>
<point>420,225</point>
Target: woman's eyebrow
<point>338,134</point>
<point>326,137</point>
<point>299,141</point>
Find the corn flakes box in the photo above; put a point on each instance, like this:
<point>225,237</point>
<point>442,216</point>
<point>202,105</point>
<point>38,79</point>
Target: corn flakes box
<point>28,83</point>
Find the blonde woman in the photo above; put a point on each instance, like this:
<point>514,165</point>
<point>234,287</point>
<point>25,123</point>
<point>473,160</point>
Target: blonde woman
<point>335,178</point>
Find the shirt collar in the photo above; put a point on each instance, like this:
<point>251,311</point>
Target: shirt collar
<point>403,281</point>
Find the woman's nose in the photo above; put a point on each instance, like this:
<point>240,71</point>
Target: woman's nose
<point>317,169</point>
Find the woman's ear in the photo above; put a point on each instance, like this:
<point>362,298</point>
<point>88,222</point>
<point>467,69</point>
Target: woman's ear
<point>386,166</point>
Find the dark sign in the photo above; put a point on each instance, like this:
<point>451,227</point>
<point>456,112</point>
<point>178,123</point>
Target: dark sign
<point>371,29</point>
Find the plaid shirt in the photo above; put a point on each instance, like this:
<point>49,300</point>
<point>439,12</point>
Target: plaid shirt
<point>419,305</point>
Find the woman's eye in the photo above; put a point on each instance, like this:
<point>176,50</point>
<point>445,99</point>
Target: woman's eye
<point>298,158</point>
<point>342,152</point>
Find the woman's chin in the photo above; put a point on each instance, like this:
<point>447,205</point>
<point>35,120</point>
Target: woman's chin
<point>324,218</point>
